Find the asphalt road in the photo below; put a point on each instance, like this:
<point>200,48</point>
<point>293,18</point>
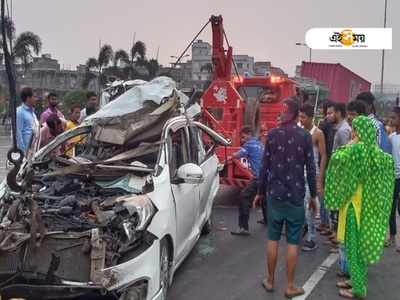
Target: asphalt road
<point>225,267</point>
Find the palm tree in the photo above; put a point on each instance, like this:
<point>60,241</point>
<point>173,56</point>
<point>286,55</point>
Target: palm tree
<point>153,67</point>
<point>10,33</point>
<point>25,45</point>
<point>136,58</point>
<point>95,66</point>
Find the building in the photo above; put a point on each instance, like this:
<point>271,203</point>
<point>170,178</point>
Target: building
<point>262,68</point>
<point>202,64</point>
<point>45,75</point>
<point>201,59</point>
<point>45,63</point>
<point>181,73</point>
<point>244,64</point>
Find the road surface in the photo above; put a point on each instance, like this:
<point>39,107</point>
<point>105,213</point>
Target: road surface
<point>226,267</point>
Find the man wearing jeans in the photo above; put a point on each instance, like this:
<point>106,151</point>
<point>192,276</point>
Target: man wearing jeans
<point>288,151</point>
<point>337,115</point>
<point>252,150</point>
<point>306,118</point>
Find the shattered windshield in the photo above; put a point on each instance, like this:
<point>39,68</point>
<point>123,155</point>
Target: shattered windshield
<point>157,91</point>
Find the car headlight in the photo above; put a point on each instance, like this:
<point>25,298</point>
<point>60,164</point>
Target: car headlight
<point>141,207</point>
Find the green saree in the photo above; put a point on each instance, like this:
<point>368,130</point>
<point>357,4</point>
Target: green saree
<point>361,169</point>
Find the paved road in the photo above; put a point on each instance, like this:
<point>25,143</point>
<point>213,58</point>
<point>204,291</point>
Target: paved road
<point>224,267</point>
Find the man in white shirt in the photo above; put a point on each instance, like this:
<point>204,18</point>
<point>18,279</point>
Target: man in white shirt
<point>91,106</point>
<point>395,141</point>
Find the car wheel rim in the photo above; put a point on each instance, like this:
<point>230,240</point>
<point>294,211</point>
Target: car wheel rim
<point>164,272</point>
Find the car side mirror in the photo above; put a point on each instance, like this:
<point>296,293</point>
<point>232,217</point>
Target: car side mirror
<point>190,173</point>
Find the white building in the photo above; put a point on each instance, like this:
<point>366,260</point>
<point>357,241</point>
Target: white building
<point>201,62</point>
<point>244,64</point>
<point>201,57</point>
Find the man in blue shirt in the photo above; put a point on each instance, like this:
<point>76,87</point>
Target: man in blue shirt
<point>288,150</point>
<point>252,149</point>
<point>27,122</point>
<point>381,136</point>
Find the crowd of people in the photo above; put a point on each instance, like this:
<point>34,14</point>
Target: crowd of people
<point>50,123</point>
<point>342,174</point>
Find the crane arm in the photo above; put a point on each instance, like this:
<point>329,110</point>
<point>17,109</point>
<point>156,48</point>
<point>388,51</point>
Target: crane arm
<point>222,62</point>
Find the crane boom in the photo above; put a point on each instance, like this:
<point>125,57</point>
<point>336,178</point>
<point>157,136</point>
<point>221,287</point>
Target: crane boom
<point>222,62</point>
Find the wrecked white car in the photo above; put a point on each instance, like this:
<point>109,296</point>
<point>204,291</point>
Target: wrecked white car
<point>119,217</point>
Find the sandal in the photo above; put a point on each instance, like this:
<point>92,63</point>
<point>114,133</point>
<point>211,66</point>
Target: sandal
<point>388,243</point>
<point>266,287</point>
<point>346,285</point>
<point>348,294</point>
<point>298,292</point>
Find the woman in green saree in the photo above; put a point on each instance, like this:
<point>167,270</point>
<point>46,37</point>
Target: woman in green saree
<point>359,183</point>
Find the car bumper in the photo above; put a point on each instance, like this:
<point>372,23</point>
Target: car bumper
<point>142,268</point>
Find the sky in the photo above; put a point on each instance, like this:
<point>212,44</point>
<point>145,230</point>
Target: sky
<point>266,29</point>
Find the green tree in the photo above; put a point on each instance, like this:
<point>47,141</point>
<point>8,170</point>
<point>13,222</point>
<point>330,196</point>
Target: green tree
<point>130,62</point>
<point>153,67</point>
<point>72,98</point>
<point>25,45</point>
<point>95,66</point>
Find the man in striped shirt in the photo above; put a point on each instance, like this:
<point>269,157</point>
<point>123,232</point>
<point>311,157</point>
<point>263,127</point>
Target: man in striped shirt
<point>381,136</point>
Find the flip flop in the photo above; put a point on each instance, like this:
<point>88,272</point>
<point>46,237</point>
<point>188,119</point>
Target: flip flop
<point>346,285</point>
<point>348,294</point>
<point>299,292</point>
<point>265,286</point>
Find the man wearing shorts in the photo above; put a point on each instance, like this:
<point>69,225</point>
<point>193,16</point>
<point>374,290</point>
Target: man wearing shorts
<point>288,151</point>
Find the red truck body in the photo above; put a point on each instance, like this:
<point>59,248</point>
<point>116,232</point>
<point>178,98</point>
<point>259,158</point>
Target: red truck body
<point>231,102</point>
<point>343,84</point>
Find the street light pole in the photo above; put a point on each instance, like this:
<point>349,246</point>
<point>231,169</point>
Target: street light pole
<point>383,51</point>
<point>309,49</point>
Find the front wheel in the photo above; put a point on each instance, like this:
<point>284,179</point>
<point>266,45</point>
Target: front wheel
<point>207,228</point>
<point>164,268</point>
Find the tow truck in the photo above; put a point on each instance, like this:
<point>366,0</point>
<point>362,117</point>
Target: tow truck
<point>233,101</point>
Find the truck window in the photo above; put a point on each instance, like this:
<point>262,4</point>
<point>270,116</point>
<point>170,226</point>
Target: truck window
<point>263,93</point>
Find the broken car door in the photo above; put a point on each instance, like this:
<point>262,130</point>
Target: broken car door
<point>186,195</point>
<point>205,158</point>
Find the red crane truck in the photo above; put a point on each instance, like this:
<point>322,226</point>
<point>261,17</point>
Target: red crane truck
<point>233,101</point>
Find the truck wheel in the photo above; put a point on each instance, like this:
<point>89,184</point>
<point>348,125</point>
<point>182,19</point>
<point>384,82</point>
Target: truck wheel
<point>252,114</point>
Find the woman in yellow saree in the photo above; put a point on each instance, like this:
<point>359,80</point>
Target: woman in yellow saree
<point>359,183</point>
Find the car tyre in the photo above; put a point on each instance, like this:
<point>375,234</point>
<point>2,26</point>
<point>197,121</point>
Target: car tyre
<point>134,293</point>
<point>165,268</point>
<point>207,228</point>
